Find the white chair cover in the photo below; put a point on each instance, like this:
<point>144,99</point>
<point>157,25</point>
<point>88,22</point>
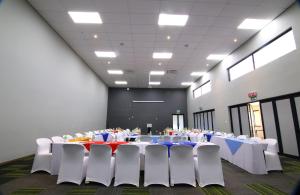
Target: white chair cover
<point>101,165</point>
<point>156,165</point>
<point>182,167</point>
<point>78,134</point>
<point>42,158</point>
<point>271,155</point>
<point>73,164</point>
<point>208,165</point>
<point>193,137</point>
<point>57,139</point>
<point>176,139</point>
<point>145,138</point>
<point>167,138</point>
<point>98,137</point>
<point>243,137</point>
<point>257,139</point>
<point>109,137</point>
<point>127,165</point>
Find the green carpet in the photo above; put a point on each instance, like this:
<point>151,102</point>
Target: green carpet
<point>28,191</point>
<point>83,191</point>
<point>265,189</point>
<point>16,169</point>
<point>135,191</point>
<point>215,190</point>
<point>291,166</point>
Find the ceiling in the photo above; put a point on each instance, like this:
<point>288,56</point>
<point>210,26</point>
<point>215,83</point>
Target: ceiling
<point>211,28</point>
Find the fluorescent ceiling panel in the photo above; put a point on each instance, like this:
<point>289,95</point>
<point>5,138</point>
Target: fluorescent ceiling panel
<point>157,73</point>
<point>121,82</point>
<point>85,17</point>
<point>172,20</point>
<point>253,24</point>
<point>105,54</point>
<point>115,72</point>
<point>162,55</point>
<point>154,83</point>
<point>186,83</point>
<point>216,57</point>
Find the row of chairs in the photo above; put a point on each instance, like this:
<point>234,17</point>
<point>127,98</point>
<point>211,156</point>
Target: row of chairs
<point>147,138</point>
<point>100,166</point>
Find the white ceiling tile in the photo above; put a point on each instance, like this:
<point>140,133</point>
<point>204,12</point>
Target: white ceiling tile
<point>207,9</point>
<point>211,28</point>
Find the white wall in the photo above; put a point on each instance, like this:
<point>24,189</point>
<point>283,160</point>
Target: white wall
<point>277,78</point>
<point>46,89</point>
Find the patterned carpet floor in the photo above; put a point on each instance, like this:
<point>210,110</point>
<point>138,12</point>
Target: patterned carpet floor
<point>15,178</point>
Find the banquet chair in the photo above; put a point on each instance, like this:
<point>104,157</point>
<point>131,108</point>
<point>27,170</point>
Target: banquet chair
<point>166,138</point>
<point>243,137</point>
<point>57,139</point>
<point>110,137</point>
<point>89,134</point>
<point>257,139</point>
<point>127,168</point>
<point>229,135</point>
<point>98,137</point>
<point>193,137</point>
<point>73,164</point>
<point>271,155</point>
<point>145,138</point>
<point>184,138</point>
<point>176,139</point>
<point>182,167</point>
<point>208,165</point>
<point>78,134</point>
<point>156,165</point>
<point>42,158</point>
<point>101,165</point>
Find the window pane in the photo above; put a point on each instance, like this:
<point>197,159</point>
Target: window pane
<point>281,46</point>
<point>206,88</point>
<point>197,92</point>
<point>241,68</point>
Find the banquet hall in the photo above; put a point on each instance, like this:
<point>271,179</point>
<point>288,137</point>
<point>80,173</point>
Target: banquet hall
<point>146,97</point>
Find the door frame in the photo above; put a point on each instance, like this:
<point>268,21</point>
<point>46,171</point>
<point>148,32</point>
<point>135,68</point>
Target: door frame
<point>295,115</point>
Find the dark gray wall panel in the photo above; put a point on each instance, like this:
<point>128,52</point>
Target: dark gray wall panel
<point>245,120</point>
<point>122,112</point>
<point>287,128</point>
<point>269,121</point>
<point>235,121</point>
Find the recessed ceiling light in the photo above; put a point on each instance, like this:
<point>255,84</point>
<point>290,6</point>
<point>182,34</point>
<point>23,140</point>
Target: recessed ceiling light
<point>154,83</point>
<point>115,72</point>
<point>157,72</point>
<point>162,55</point>
<point>95,36</point>
<point>159,63</point>
<point>168,37</point>
<point>235,40</point>
<point>197,73</point>
<point>254,24</point>
<point>108,62</point>
<point>85,17</point>
<point>105,54</point>
<point>121,82</point>
<point>186,83</point>
<point>172,20</point>
<point>207,64</point>
<point>216,57</point>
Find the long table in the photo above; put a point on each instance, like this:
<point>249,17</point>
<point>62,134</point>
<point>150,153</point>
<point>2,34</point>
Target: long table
<point>246,154</point>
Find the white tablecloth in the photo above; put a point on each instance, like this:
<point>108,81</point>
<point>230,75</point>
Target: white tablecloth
<point>249,156</point>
